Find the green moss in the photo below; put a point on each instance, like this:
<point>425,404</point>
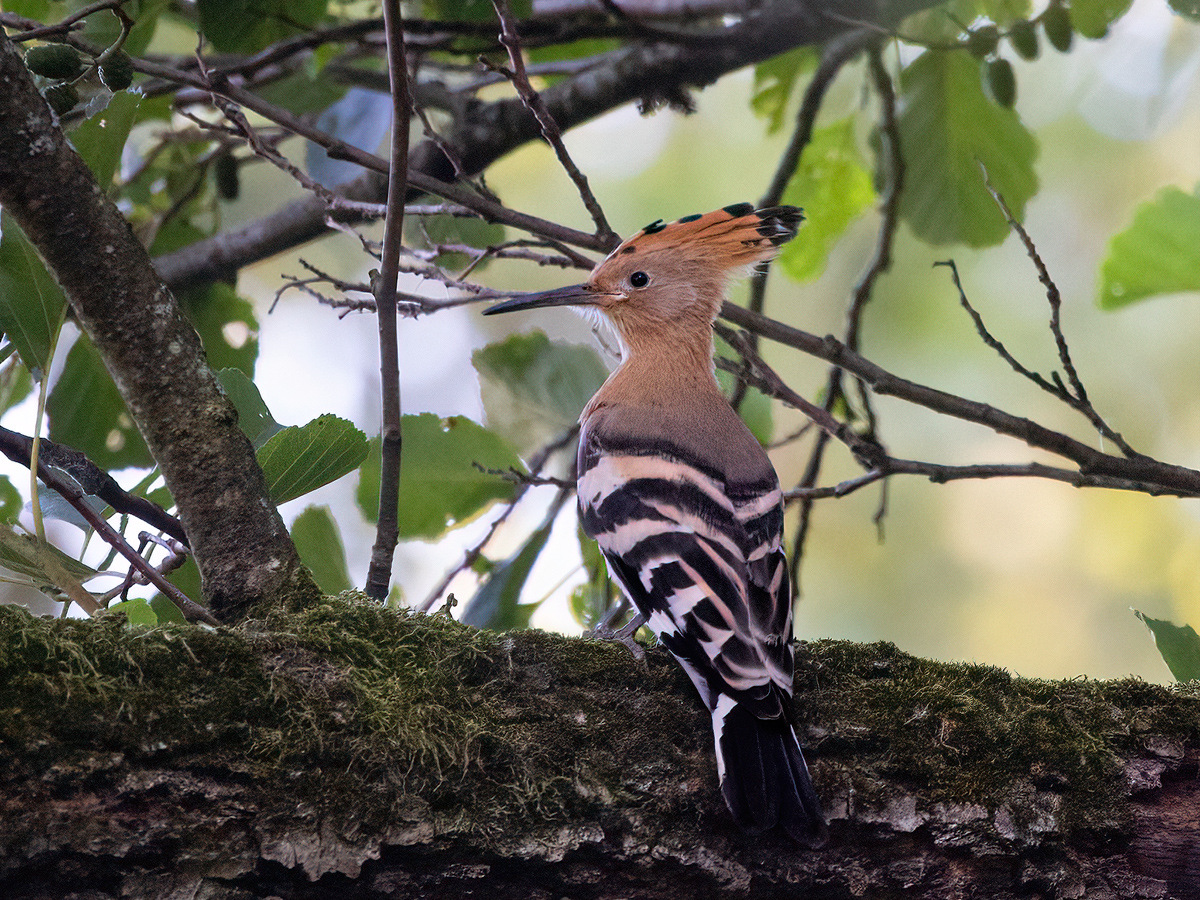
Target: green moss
<point>962,733</point>
<point>359,712</point>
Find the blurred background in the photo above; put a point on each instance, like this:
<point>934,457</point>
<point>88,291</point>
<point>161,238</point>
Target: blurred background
<point>1034,576</point>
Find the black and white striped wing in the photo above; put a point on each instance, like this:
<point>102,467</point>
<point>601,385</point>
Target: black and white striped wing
<point>702,565</point>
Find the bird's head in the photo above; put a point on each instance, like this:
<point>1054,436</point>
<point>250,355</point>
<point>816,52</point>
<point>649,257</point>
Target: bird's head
<point>672,276</point>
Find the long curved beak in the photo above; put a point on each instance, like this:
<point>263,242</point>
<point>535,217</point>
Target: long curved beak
<point>575,295</point>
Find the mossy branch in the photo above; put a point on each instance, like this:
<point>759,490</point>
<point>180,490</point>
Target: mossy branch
<point>356,751</point>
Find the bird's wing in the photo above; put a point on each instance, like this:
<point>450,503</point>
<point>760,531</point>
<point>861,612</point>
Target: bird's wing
<point>705,569</point>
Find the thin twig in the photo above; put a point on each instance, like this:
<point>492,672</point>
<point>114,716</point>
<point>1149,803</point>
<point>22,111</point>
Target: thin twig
<point>549,128</point>
<point>387,531</point>
<point>1159,477</point>
<point>1077,396</point>
<point>891,162</point>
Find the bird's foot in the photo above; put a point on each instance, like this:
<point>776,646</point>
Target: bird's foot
<point>623,635</point>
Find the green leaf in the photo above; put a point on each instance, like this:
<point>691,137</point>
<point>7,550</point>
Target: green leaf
<point>954,128</point>
<point>254,418</point>
<point>24,555</point>
<point>774,80</point>
<point>1178,644</point>
<point>1092,18</point>
<point>248,26</point>
<point>101,138</point>
<point>304,92</point>
<point>87,412</point>
<point>464,231</point>
<point>319,544</point>
<point>137,611</point>
<point>1189,9</point>
<point>15,384</point>
<point>227,326</point>
<point>102,29</point>
<point>591,600</point>
<point>166,611</point>
<point>302,458</point>
<point>1158,254</point>
<point>497,603</point>
<point>833,186</point>
<point>534,390</point>
<point>442,482</point>
<point>31,304</point>
<point>10,501</point>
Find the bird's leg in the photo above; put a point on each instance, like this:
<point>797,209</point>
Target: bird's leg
<point>623,635</point>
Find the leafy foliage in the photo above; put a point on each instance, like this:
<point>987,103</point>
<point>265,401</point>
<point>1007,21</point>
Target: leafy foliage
<point>320,546</point>
<point>300,459</point>
<point>1178,644</point>
<point>533,390</point>
<point>961,133</point>
<point>451,470</point>
<point>1158,254</point>
<point>31,304</point>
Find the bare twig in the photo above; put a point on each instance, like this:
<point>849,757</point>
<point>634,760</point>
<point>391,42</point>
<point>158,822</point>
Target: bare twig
<point>549,128</point>
<point>1156,477</point>
<point>1076,396</point>
<point>891,162</point>
<point>387,531</point>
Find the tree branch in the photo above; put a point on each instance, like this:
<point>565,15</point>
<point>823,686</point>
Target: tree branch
<point>241,545</point>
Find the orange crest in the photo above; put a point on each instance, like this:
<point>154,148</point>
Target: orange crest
<point>728,238</point>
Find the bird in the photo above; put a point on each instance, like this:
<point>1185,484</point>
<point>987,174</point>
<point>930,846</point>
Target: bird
<point>684,502</point>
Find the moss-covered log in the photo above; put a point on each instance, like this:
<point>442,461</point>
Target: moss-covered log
<point>353,751</point>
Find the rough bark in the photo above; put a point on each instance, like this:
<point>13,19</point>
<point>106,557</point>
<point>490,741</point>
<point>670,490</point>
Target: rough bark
<point>153,353</point>
<point>353,751</point>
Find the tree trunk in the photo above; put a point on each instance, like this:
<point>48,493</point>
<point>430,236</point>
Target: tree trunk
<point>153,353</point>
<point>353,751</point>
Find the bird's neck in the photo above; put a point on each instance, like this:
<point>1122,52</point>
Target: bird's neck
<point>661,370</point>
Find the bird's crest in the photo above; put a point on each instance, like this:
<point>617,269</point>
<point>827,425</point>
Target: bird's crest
<point>727,238</point>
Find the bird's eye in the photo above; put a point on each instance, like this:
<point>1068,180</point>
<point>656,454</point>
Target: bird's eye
<point>639,279</point>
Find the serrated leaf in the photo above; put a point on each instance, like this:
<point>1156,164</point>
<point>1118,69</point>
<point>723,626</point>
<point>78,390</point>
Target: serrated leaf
<point>254,418</point>
<point>227,326</point>
<point>497,603</point>
<point>319,544</point>
<point>833,187</point>
<point>946,117</point>
<point>248,26</point>
<point>442,482</point>
<point>1092,18</point>
<point>1158,254</point>
<point>87,412</point>
<point>31,303</point>
<point>774,81</point>
<point>302,458</point>
<point>137,611</point>
<point>101,139</point>
<point>533,389</point>
<point>1178,644</point>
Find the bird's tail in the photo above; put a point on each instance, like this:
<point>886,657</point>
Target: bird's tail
<point>764,778</point>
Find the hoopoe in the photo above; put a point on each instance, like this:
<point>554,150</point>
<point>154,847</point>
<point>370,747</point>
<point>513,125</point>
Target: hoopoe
<point>684,502</point>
